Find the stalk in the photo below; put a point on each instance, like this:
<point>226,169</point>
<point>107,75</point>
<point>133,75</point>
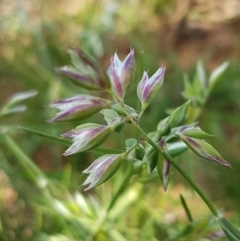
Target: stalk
<point>180,170</point>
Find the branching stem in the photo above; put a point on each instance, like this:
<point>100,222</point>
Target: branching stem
<point>179,168</point>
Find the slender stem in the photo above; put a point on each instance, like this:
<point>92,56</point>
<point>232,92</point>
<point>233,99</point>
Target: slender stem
<point>186,209</point>
<point>192,183</point>
<point>125,181</point>
<point>175,164</point>
<point>122,187</point>
<point>120,190</point>
<point>65,142</point>
<point>141,113</point>
<point>182,172</point>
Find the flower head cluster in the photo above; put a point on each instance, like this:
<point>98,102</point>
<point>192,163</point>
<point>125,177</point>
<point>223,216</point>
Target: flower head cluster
<point>87,73</point>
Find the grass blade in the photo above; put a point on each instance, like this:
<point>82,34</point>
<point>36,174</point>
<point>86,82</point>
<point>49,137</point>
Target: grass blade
<point>232,233</point>
<point>65,142</point>
<point>186,209</point>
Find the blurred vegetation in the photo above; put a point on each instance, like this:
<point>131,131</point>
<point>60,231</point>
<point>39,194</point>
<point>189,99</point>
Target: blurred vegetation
<point>35,36</point>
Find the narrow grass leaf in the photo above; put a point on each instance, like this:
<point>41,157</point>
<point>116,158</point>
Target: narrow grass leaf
<point>232,233</point>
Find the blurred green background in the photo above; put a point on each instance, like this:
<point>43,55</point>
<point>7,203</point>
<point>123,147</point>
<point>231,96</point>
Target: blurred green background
<point>34,39</point>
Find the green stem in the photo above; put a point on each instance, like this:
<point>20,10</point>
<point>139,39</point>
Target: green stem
<point>122,187</point>
<point>66,142</point>
<point>175,164</point>
<point>120,190</point>
<point>192,183</point>
<point>182,172</point>
<point>125,181</point>
<point>141,113</point>
<point>186,209</point>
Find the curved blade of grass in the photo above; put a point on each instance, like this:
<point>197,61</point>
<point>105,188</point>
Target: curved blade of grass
<point>186,209</point>
<point>232,233</point>
<point>37,176</point>
<point>53,138</point>
<point>32,171</point>
<point>66,142</point>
